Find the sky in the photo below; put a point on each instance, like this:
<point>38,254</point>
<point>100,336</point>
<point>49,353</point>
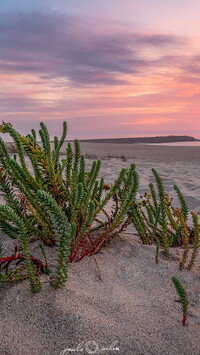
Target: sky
<point>110,68</point>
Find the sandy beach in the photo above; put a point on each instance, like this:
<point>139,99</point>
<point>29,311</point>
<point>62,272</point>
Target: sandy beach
<point>120,301</point>
<point>175,164</point>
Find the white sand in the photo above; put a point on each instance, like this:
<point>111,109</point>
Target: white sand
<point>127,298</point>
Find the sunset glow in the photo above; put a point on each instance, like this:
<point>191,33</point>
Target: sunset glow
<point>109,68</point>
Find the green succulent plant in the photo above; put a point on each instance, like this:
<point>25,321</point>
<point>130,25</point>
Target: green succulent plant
<point>54,192</point>
<point>157,220</point>
<point>8,213</point>
<point>183,298</point>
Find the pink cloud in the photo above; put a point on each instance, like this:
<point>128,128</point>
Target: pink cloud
<point>103,83</point>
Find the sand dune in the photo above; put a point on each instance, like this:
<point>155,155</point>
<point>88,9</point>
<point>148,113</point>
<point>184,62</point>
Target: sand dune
<point>121,295</point>
<point>129,299</point>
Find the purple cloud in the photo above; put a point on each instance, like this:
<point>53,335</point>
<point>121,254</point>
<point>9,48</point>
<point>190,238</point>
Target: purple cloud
<point>52,45</point>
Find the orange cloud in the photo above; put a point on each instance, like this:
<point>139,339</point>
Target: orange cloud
<point>103,82</point>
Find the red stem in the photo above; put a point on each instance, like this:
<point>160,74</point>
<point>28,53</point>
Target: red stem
<point>88,251</point>
<point>84,252</point>
<point>72,257</point>
<point>90,239</point>
<point>83,255</point>
<point>83,247</point>
<point>98,247</point>
<point>22,257</point>
<point>184,319</point>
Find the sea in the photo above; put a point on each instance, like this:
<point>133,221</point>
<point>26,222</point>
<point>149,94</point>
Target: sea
<point>179,144</point>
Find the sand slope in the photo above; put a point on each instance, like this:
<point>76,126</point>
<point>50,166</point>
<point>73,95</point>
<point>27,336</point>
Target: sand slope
<point>128,298</point>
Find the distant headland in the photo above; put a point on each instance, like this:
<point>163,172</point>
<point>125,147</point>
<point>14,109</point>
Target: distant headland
<point>157,139</point>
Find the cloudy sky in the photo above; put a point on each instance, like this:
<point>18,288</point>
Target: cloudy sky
<point>110,68</point>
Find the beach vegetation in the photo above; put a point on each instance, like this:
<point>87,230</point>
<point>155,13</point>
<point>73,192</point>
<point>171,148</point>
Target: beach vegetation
<point>183,297</point>
<point>9,214</point>
<point>158,221</point>
<point>59,201</point>
<point>196,243</point>
<point>56,200</point>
